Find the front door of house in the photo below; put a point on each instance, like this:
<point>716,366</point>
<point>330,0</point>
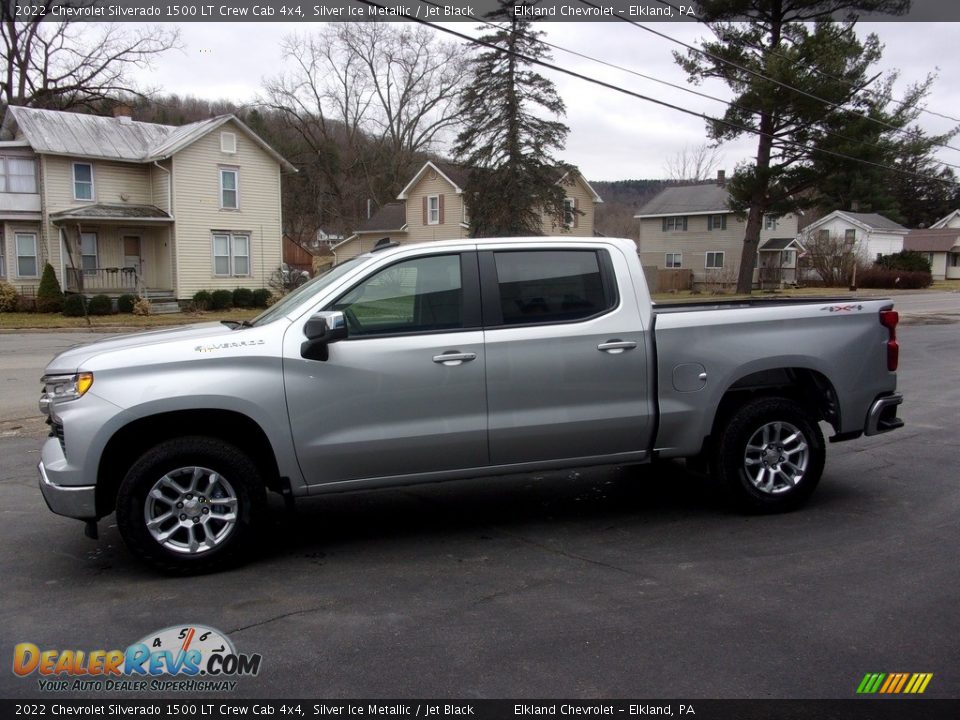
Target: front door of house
<point>131,253</point>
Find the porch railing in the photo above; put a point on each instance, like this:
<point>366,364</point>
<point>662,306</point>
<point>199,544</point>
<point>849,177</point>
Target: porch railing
<point>110,279</point>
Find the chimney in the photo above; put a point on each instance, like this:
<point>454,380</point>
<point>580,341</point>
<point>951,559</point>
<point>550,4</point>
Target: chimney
<point>123,112</point>
<point>721,178</point>
<point>854,206</point>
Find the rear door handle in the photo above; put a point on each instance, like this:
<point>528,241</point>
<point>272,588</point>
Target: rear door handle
<point>615,347</point>
<point>453,358</point>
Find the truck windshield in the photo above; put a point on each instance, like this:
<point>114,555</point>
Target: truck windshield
<point>305,292</point>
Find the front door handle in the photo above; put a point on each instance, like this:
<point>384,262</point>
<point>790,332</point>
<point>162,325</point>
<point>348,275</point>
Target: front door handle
<point>452,358</point>
<point>615,347</point>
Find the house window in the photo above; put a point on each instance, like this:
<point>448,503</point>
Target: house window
<point>678,222</point>
<point>769,222</point>
<point>714,260</point>
<point>849,236</point>
<point>228,143</point>
<point>231,254</point>
<point>673,260</point>
<point>27,265</point>
<point>3,259</point>
<point>18,175</point>
<point>229,197</point>
<point>569,212</point>
<point>716,222</point>
<point>927,256</point>
<point>433,210</point>
<point>823,235</point>
<point>88,252</point>
<point>82,181</point>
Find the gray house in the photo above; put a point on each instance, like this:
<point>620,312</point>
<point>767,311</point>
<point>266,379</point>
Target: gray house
<point>692,227</point>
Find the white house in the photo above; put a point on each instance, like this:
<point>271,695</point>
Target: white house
<point>871,233</point>
<point>950,221</point>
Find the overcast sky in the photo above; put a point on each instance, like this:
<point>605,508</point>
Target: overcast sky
<point>612,136</point>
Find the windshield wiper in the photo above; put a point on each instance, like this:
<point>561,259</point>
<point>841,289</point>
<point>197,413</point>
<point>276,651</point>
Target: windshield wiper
<point>237,324</point>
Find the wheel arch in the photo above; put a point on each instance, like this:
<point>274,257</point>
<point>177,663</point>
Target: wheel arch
<point>132,440</point>
<point>808,387</point>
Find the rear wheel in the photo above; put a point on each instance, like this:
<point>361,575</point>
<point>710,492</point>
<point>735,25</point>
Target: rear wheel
<point>190,505</point>
<point>769,455</point>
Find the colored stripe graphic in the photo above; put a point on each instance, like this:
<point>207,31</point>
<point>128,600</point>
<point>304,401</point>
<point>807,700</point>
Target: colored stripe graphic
<point>894,683</point>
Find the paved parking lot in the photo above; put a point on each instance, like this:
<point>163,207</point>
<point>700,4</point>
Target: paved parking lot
<point>602,583</point>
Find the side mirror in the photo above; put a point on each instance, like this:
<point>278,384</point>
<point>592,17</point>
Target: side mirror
<point>322,329</point>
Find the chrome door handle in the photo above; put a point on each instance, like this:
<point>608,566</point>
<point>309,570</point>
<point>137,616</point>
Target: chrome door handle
<point>453,358</point>
<point>615,347</point>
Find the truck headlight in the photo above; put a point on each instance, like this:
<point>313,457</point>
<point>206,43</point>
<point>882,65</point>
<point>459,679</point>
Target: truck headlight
<point>61,388</point>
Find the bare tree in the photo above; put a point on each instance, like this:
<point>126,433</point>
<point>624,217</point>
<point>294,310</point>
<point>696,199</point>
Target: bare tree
<point>693,163</point>
<point>833,258</point>
<point>368,100</point>
<point>70,65</point>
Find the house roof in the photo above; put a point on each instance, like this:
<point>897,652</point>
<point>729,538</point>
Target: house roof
<point>54,132</point>
<point>875,221</point>
<point>867,221</point>
<point>932,240</point>
<point>700,199</point>
<point>112,212</point>
<point>458,175</point>
<point>390,217</point>
<point>942,222</point>
<point>780,244</point>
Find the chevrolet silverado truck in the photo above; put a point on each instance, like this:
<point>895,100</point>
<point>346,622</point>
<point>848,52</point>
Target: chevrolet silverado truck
<point>446,360</point>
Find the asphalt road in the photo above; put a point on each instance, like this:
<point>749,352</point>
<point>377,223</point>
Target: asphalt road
<point>603,583</point>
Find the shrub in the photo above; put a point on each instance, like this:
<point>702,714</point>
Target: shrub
<point>906,260</point>
<point>261,297</point>
<point>125,303</point>
<point>243,298</point>
<point>49,295</point>
<point>221,300</point>
<point>73,305</point>
<point>141,307</point>
<point>202,300</point>
<point>880,278</point>
<point>8,297</point>
<point>100,305</point>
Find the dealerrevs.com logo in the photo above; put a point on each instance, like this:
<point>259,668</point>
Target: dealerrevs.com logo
<point>181,658</point>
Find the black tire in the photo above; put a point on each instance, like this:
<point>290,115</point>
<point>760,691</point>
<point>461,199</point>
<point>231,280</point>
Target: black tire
<point>767,481</point>
<point>232,481</point>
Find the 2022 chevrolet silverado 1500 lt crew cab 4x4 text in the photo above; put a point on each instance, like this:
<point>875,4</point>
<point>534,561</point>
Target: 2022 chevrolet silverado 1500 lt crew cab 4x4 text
<point>446,360</point>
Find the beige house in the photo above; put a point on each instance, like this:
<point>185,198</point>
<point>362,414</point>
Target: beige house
<point>432,207</point>
<point>118,206</point>
<point>691,227</point>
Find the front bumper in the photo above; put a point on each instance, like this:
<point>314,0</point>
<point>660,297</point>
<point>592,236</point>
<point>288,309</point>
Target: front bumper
<point>76,501</point>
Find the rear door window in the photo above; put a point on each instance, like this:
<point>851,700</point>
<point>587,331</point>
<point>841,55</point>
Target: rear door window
<point>547,286</point>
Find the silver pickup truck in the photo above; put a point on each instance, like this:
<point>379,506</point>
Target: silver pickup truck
<point>446,360</point>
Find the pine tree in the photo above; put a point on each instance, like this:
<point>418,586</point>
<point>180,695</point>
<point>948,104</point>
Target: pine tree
<point>507,143</point>
<point>49,295</point>
<point>784,44</point>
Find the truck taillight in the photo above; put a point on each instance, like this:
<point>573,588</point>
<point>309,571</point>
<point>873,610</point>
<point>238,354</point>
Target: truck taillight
<point>889,319</point>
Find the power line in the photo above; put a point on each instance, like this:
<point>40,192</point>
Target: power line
<point>682,88</point>
<point>822,73</point>
<point>761,76</point>
<point>640,96</point>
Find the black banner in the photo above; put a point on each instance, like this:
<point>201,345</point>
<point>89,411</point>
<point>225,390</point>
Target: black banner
<point>470,11</point>
<point>208,709</point>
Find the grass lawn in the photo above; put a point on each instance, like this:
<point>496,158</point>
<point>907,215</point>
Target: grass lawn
<point>29,321</point>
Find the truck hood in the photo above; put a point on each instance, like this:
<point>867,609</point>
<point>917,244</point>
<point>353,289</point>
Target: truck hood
<point>69,361</point>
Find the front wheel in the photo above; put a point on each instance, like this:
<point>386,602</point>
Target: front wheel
<point>190,505</point>
<point>769,455</point>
